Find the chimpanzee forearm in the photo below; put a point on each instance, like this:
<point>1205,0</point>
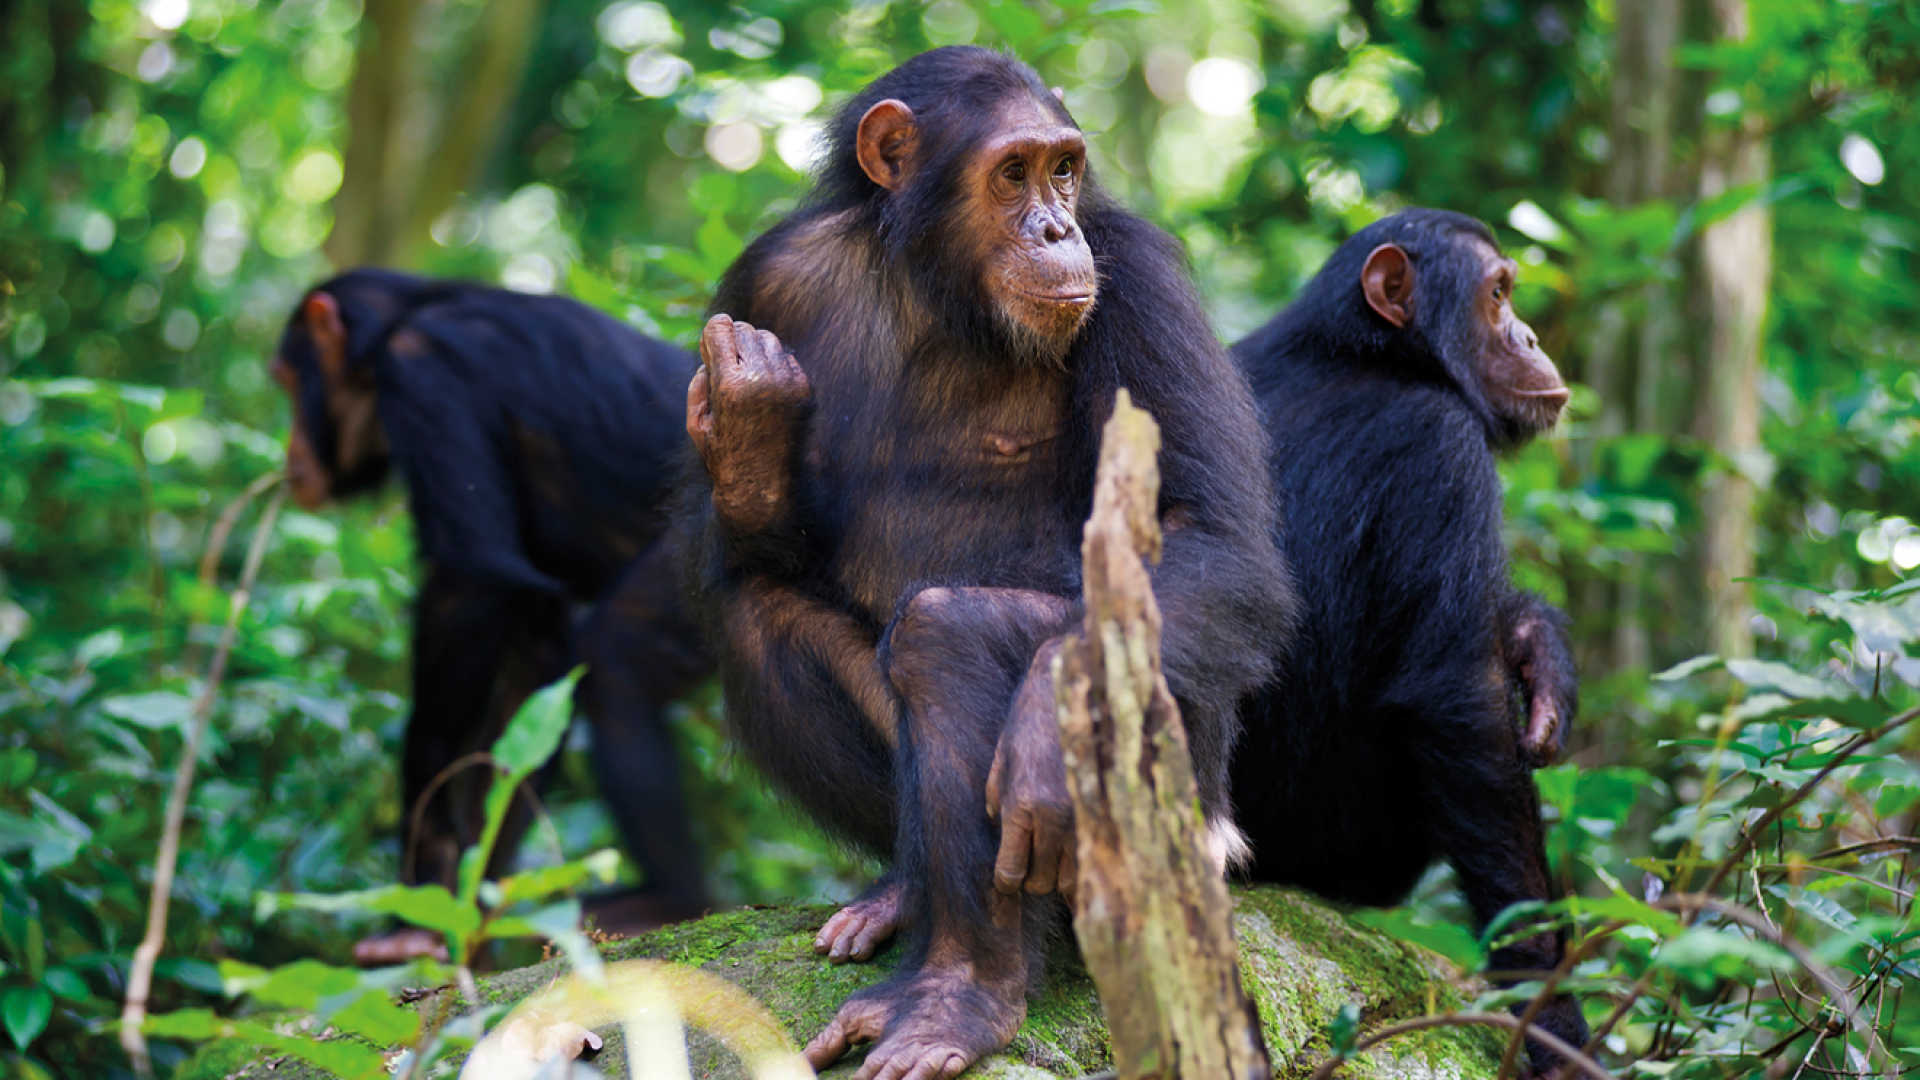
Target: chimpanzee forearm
<point>1225,605</point>
<point>783,627</point>
<point>746,408</point>
<point>1538,654</point>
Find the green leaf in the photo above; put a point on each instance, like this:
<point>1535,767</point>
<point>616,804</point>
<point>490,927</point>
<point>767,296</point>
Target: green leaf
<point>534,733</point>
<point>538,884</point>
<point>66,983</point>
<point>1449,939</point>
<point>1688,668</point>
<point>1704,957</point>
<point>25,1010</point>
<point>375,1017</point>
<point>431,906</point>
<point>196,1024</point>
<point>1344,1032</point>
<point>155,711</point>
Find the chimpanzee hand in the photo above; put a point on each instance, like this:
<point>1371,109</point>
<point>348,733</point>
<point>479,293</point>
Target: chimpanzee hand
<point>1538,654</point>
<point>745,410</point>
<point>1027,791</point>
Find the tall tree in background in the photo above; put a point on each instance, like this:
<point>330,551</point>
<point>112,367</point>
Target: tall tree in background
<point>1730,284</point>
<point>412,147</point>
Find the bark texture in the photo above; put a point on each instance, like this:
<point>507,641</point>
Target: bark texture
<point>1150,909</point>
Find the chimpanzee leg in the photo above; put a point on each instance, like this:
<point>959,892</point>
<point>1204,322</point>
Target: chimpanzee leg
<point>957,657</point>
<point>1486,814</point>
<point>641,653</point>
<point>478,651</point>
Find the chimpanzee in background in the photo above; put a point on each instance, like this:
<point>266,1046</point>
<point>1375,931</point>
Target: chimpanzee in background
<point>892,512</point>
<point>1388,737</point>
<point>539,441</point>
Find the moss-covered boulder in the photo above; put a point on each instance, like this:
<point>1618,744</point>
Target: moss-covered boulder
<point>1300,959</point>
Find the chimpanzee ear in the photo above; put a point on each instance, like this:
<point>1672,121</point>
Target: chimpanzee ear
<point>329,335</point>
<point>1387,281</point>
<point>885,143</point>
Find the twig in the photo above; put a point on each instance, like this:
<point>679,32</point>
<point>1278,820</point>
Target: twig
<point>140,975</point>
<point>1548,986</point>
<point>1553,1042</point>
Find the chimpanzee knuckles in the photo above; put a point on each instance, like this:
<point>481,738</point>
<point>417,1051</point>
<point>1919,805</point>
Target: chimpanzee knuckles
<point>749,367</point>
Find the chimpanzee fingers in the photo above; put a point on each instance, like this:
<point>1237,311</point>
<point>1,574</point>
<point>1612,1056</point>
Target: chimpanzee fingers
<point>1044,870</point>
<point>867,941</point>
<point>1016,843</point>
<point>993,790</point>
<point>699,409</point>
<point>717,341</point>
<point>1542,739</point>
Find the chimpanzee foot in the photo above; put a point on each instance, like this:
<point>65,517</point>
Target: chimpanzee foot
<point>858,930</point>
<point>930,1025</point>
<point>398,947</point>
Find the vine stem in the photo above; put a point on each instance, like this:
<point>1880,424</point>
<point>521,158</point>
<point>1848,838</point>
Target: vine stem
<point>133,1013</point>
<point>1555,1043</point>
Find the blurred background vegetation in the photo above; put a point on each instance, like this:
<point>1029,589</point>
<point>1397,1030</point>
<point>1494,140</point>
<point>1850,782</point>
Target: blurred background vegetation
<point>1715,204</point>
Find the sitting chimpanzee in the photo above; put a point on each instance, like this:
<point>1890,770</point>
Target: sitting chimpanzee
<point>891,516</point>
<point>538,440</point>
<point>1388,738</point>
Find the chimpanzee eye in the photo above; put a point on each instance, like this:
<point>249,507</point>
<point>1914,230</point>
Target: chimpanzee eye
<point>1015,171</point>
<point>1064,170</point>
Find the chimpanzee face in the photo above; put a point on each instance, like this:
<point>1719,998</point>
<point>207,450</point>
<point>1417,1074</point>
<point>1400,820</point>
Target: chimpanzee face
<point>1012,226</point>
<point>1518,378</point>
<point>336,445</point>
<point>1024,189</point>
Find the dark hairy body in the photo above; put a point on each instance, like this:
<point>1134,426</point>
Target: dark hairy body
<point>898,417</point>
<point>539,442</point>
<point>1389,737</point>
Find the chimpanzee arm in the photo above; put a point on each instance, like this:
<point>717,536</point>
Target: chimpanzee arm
<point>459,485</point>
<point>1538,653</point>
<point>1221,584</point>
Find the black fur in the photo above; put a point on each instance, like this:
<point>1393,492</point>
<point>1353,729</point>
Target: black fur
<point>1388,739</point>
<point>539,441</point>
<point>896,336</point>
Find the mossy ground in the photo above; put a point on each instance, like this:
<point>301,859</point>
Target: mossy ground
<point>1300,959</point>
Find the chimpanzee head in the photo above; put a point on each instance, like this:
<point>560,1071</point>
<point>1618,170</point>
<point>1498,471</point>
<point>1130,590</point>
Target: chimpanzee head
<point>336,446</point>
<point>973,174</point>
<point>1433,292</point>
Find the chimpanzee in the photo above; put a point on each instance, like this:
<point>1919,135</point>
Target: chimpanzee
<point>890,516</point>
<point>539,441</point>
<point>1388,737</point>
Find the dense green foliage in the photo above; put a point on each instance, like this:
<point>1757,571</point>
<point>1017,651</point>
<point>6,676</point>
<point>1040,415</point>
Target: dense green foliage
<point>169,173</point>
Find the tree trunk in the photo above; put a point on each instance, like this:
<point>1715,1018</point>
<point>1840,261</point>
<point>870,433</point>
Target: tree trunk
<point>1732,275</point>
<point>1150,909</point>
<point>363,210</point>
<point>410,151</point>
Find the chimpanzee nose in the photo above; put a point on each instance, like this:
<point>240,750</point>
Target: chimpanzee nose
<point>1056,229</point>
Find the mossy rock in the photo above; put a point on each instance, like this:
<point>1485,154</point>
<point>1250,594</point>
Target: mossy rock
<point>1301,959</point>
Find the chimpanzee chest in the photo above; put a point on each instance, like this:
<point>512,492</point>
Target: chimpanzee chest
<point>970,493</point>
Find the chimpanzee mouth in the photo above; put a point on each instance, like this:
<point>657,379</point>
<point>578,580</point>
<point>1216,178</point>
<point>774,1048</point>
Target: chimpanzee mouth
<point>1074,298</point>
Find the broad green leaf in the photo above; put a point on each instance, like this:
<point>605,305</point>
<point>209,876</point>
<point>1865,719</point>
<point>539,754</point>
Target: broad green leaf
<point>1705,956</point>
<point>25,1011</point>
<point>431,906</point>
<point>194,1024</point>
<point>66,983</point>
<point>1449,939</point>
<point>375,1017</point>
<point>534,733</point>
<point>157,710</point>
<point>1344,1032</point>
<point>538,884</point>
<point>1688,668</point>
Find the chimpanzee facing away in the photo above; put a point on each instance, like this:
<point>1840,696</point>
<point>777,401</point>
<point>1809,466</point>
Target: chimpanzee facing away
<point>539,441</point>
<point>891,515</point>
<point>1388,738</point>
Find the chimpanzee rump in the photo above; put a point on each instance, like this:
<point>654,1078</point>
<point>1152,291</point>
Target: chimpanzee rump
<point>538,440</point>
<point>1388,739</point>
<point>891,516</point>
